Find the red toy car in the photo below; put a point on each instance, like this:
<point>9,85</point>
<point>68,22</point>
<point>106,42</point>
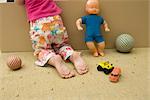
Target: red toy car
<point>115,74</point>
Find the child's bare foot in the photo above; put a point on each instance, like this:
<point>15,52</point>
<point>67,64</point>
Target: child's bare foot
<point>78,62</point>
<point>58,63</point>
<point>95,54</point>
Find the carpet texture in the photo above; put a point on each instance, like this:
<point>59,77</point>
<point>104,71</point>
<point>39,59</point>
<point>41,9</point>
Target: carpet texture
<point>43,83</point>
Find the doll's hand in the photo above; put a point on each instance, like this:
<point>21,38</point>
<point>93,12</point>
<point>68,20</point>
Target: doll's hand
<point>78,24</point>
<point>80,28</point>
<point>107,29</point>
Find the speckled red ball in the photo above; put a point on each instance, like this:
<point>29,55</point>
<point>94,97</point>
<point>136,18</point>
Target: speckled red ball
<point>14,62</point>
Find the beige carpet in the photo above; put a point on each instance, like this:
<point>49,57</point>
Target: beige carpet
<point>38,83</point>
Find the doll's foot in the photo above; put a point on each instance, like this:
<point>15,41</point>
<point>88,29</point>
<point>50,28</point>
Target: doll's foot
<point>95,54</point>
<point>79,63</point>
<point>58,63</point>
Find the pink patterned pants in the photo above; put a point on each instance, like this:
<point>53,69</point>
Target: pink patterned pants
<point>49,37</point>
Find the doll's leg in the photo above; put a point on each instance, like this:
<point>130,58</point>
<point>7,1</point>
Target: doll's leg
<point>100,44</point>
<point>92,48</point>
<point>101,47</point>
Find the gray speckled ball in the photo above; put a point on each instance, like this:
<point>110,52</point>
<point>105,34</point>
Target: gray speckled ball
<point>124,43</point>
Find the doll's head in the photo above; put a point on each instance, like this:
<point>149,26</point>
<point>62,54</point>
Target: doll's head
<point>92,7</point>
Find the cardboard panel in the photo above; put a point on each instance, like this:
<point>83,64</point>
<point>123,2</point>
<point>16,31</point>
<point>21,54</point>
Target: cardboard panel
<point>129,16</point>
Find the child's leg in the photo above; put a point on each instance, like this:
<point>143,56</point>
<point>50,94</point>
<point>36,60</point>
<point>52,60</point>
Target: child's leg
<point>42,49</point>
<point>58,63</point>
<point>101,47</point>
<point>68,53</point>
<point>51,58</point>
<point>92,48</point>
<point>61,46</point>
<point>79,63</point>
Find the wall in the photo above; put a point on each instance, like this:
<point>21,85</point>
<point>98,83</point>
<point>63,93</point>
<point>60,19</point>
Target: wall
<point>14,28</point>
<point>0,28</point>
<point>122,16</point>
<point>149,21</point>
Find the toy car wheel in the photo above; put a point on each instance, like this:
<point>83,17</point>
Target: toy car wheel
<point>99,68</point>
<point>106,71</point>
<point>111,69</point>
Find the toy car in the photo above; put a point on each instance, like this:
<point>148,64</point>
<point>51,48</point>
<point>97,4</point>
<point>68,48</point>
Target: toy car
<point>105,66</point>
<point>115,74</point>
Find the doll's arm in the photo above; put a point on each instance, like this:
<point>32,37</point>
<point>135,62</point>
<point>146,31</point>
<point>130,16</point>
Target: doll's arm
<point>20,2</point>
<point>78,24</point>
<point>106,28</point>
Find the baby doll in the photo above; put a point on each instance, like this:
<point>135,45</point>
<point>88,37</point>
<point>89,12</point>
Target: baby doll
<point>93,23</point>
<point>49,37</point>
